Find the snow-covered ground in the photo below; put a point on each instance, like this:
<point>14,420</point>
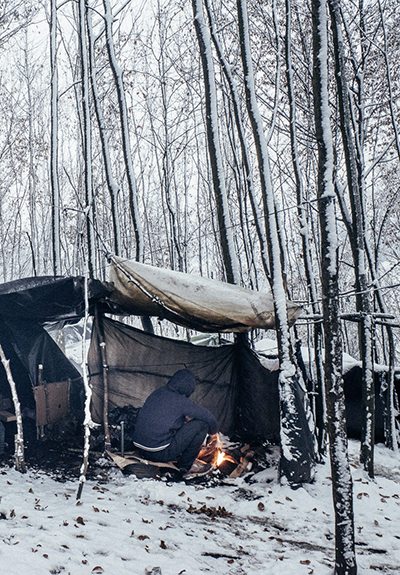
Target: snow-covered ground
<point>124,525</point>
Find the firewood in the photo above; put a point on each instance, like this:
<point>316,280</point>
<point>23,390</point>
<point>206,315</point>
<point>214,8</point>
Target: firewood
<point>241,468</point>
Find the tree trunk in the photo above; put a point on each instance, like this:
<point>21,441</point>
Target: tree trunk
<point>87,139</point>
<point>363,297</point>
<point>55,194</point>
<point>243,145</point>
<point>345,560</point>
<point>296,462</point>
<point>113,187</point>
<point>123,114</point>
<point>319,406</point>
<point>214,148</point>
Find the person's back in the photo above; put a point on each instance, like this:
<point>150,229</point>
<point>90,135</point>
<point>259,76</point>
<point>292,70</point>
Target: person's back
<point>163,431</point>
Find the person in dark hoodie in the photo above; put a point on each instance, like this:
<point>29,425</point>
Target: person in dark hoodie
<point>171,427</point>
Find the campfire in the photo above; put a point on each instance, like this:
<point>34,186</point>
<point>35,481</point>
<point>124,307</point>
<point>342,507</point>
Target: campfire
<point>214,453</point>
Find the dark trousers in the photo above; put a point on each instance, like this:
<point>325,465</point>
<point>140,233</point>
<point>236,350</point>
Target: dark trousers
<point>184,446</point>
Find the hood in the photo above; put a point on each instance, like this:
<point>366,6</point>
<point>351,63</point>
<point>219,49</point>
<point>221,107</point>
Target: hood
<point>183,382</point>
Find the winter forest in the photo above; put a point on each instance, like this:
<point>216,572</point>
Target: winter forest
<point>255,142</point>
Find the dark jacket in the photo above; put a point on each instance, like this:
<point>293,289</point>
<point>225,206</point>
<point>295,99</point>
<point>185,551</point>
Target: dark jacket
<point>164,412</point>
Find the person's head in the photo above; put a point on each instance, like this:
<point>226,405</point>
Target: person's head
<point>183,382</point>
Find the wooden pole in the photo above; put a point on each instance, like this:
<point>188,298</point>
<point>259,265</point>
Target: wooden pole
<point>105,380</point>
<point>88,423</point>
<point>19,438</point>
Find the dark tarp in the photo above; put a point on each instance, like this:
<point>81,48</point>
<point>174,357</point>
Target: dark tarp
<point>232,383</point>
<point>28,345</point>
<point>139,362</point>
<point>46,299</point>
<point>352,380</point>
<point>26,304</point>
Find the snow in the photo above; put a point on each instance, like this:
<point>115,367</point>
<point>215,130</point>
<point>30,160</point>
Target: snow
<point>131,526</point>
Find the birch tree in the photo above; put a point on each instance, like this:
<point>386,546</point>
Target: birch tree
<point>345,560</point>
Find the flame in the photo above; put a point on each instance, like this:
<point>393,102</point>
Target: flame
<point>220,458</point>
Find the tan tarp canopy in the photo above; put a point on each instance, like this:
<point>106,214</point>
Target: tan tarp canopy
<point>192,301</point>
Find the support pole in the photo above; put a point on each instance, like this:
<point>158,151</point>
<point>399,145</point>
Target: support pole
<point>19,438</point>
<point>102,344</point>
<point>88,422</point>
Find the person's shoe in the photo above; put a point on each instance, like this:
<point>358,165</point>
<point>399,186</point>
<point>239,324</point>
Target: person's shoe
<point>198,469</point>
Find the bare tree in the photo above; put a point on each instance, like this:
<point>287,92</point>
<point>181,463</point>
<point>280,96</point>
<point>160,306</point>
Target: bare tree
<point>55,192</point>
<point>214,148</point>
<point>363,294</point>
<point>292,453</point>
<point>123,116</point>
<point>318,391</point>
<point>345,560</point>
<point>113,187</point>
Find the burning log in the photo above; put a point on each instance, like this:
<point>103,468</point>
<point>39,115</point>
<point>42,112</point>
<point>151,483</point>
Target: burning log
<point>213,453</point>
<point>246,463</point>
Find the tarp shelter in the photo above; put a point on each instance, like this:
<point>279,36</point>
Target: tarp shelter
<point>25,307</point>
<point>232,382</point>
<point>193,301</point>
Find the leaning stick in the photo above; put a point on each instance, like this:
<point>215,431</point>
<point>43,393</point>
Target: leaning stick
<point>88,423</point>
<point>19,443</point>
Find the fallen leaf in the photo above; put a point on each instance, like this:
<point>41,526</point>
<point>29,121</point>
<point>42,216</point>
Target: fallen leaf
<point>80,520</point>
<point>143,537</point>
<point>261,506</point>
<point>162,544</point>
<point>30,490</point>
<point>96,509</point>
<point>97,569</point>
<point>305,562</point>
<point>12,513</point>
